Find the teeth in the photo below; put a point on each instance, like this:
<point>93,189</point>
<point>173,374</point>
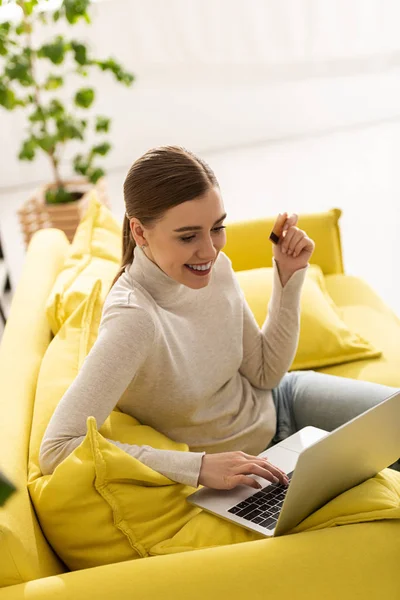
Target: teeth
<point>201,268</point>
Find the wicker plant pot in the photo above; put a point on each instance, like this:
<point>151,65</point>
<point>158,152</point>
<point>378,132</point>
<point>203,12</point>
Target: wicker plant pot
<point>37,214</point>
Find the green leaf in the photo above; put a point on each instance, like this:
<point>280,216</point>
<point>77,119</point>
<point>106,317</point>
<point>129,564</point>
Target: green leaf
<point>20,29</point>
<point>4,37</point>
<point>69,128</point>
<point>111,65</point>
<point>53,82</point>
<point>125,77</point>
<point>80,52</point>
<point>46,142</point>
<point>102,123</point>
<point>95,174</point>
<point>7,97</point>
<point>75,9</point>
<point>5,27</point>
<point>18,68</point>
<point>54,51</point>
<point>37,115</point>
<point>56,109</point>
<point>58,196</point>
<point>28,6</point>
<point>56,15</point>
<point>84,97</point>
<point>102,149</point>
<point>28,150</point>
<point>80,165</point>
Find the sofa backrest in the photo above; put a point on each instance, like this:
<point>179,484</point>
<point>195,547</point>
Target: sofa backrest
<point>248,245</point>
<point>24,551</point>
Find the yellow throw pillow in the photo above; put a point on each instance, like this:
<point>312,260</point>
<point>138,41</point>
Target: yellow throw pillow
<point>101,505</point>
<point>324,337</point>
<point>59,367</point>
<point>95,253</point>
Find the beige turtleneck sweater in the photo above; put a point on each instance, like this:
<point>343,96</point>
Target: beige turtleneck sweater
<point>193,364</point>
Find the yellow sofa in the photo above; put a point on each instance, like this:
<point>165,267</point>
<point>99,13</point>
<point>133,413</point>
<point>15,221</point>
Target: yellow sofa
<point>351,561</point>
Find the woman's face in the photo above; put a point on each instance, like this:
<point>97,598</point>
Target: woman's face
<point>174,250</point>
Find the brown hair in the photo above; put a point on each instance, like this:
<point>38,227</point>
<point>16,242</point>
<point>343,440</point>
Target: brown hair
<point>160,179</point>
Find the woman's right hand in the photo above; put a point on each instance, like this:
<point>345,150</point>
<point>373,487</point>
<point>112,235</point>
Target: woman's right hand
<point>226,470</point>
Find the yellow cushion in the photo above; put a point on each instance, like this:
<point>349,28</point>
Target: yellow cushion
<point>365,312</point>
<point>324,337</point>
<point>95,253</point>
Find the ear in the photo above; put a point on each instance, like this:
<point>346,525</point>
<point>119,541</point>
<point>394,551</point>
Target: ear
<point>137,231</point>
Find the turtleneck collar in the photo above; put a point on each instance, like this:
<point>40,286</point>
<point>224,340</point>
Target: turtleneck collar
<point>163,288</point>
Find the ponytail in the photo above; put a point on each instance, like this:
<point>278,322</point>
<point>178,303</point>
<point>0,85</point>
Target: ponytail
<point>128,246</point>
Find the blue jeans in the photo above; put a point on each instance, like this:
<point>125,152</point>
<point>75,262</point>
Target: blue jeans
<point>326,401</point>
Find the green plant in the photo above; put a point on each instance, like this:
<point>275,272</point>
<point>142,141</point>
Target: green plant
<point>51,123</point>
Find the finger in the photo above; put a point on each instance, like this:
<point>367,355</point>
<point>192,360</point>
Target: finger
<point>254,469</point>
<point>277,228</point>
<point>299,247</point>
<point>294,240</point>
<point>271,473</point>
<point>305,244</point>
<point>291,221</point>
<point>278,472</point>
<point>267,470</point>
<point>261,460</point>
<point>264,462</point>
<point>286,241</point>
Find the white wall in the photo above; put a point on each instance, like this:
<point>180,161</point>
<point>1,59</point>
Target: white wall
<point>295,104</point>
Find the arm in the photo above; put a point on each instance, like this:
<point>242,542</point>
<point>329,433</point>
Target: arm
<point>269,352</point>
<point>124,341</point>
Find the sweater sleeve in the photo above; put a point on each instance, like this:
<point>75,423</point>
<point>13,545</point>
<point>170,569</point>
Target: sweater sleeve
<point>124,340</point>
<point>269,352</point>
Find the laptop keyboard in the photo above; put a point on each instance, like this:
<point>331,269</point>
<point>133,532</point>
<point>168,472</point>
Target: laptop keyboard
<point>264,506</point>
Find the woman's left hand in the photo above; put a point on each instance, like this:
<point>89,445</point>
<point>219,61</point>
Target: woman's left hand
<point>294,249</point>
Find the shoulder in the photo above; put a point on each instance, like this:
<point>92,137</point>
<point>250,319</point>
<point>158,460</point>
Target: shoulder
<point>126,308</point>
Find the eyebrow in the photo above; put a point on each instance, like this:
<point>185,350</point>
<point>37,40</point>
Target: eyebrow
<point>198,227</point>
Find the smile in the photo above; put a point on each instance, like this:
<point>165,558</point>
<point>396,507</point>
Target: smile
<point>200,269</point>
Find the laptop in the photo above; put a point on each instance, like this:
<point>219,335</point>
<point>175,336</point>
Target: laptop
<point>320,465</point>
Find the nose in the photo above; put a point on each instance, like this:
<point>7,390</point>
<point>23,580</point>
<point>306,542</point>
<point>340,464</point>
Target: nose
<point>207,251</point>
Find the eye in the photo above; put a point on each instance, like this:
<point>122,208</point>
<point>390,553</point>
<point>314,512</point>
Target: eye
<point>191,237</point>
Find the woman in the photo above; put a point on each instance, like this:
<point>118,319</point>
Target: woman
<point>179,349</point>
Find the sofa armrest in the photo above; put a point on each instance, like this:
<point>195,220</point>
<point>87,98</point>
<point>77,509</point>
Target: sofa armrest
<point>346,562</point>
<point>25,340</point>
